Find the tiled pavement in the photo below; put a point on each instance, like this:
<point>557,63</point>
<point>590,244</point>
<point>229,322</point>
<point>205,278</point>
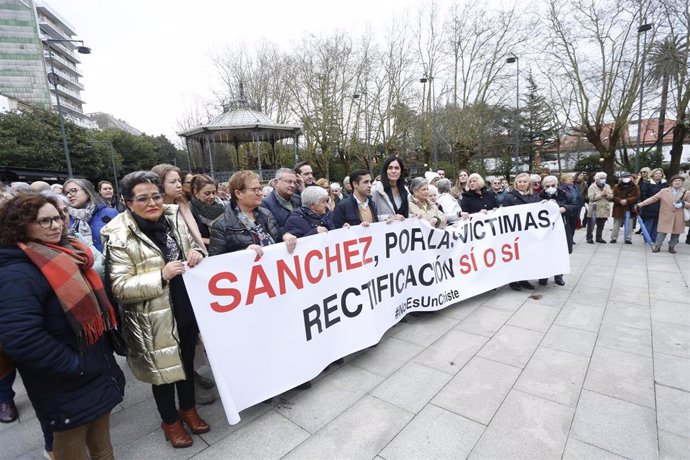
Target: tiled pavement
<point>599,368</point>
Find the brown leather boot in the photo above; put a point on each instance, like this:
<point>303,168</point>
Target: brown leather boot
<point>195,423</point>
<point>176,434</point>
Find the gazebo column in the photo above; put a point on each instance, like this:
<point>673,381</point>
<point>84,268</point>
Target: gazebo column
<point>257,140</point>
<point>202,145</point>
<point>210,156</point>
<point>237,153</point>
<point>295,147</point>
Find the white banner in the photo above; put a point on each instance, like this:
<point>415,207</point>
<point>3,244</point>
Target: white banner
<point>272,324</point>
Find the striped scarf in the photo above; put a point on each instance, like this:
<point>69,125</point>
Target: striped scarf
<point>68,269</point>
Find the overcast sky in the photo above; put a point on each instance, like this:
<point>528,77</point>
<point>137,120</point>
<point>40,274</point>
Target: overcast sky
<point>151,57</point>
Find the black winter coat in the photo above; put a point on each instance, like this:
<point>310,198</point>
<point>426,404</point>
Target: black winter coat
<point>473,202</point>
<point>303,222</point>
<point>647,189</point>
<point>280,213</point>
<point>347,212</point>
<point>228,234</point>
<point>515,198</point>
<point>67,387</point>
<point>563,201</point>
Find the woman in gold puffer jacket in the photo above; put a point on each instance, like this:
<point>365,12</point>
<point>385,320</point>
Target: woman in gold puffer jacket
<point>145,250</point>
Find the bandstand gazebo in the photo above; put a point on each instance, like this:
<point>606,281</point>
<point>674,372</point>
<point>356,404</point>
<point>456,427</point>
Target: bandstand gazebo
<point>240,123</point>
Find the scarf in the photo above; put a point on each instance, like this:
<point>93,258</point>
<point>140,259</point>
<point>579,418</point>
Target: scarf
<point>161,234</point>
<point>81,219</point>
<point>68,269</point>
<point>207,213</point>
<point>256,229</point>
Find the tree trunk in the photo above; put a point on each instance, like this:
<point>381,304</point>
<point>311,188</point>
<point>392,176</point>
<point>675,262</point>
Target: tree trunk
<point>662,115</point>
<point>680,131</point>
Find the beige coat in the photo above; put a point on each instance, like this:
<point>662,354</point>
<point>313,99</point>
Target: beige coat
<point>670,218</point>
<point>428,211</point>
<point>135,265</point>
<point>602,198</point>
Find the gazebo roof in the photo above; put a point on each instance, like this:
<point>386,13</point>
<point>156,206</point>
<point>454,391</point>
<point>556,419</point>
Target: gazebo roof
<point>242,125</point>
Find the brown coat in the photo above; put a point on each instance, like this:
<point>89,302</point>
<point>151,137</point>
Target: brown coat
<point>630,194</point>
<point>670,218</point>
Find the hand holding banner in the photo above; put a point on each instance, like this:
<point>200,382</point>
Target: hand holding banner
<point>271,324</point>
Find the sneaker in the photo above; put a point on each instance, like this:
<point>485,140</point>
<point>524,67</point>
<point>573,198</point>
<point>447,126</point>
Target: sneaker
<point>8,411</point>
<point>628,242</point>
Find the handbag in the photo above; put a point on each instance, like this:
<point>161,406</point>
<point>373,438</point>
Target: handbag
<point>116,341</point>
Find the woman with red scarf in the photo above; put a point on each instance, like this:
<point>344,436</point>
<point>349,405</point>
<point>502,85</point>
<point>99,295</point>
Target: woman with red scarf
<point>55,315</point>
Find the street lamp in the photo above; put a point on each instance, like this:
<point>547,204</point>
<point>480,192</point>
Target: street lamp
<point>54,80</point>
<point>642,29</point>
<point>431,101</point>
<point>513,59</point>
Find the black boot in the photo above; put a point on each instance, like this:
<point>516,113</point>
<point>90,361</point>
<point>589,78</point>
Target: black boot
<point>515,287</point>
<point>558,279</point>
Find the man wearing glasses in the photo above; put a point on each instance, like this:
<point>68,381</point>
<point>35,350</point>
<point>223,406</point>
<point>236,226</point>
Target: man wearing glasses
<point>283,199</point>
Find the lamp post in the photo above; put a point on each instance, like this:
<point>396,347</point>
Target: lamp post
<point>432,108</point>
<point>642,29</point>
<point>54,80</point>
<point>515,60</point>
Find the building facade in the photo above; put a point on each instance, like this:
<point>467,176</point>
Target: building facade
<point>27,58</point>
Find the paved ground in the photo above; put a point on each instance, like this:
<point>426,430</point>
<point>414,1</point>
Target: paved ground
<point>599,368</point>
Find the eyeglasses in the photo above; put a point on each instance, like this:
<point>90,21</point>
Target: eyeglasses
<point>144,200</point>
<point>256,190</point>
<point>48,222</point>
<point>72,192</point>
<point>288,181</point>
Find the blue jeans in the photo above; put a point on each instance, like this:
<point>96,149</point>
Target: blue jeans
<point>651,227</point>
<point>6,392</point>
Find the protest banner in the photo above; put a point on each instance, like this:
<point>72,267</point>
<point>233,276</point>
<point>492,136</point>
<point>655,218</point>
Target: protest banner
<point>271,324</point>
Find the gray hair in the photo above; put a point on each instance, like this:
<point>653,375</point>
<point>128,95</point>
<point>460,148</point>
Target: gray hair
<point>59,197</point>
<point>284,171</point>
<point>444,185</point>
<point>550,179</point>
<point>20,187</point>
<point>135,178</point>
<point>534,178</point>
<point>600,175</point>
<point>312,195</point>
<point>417,183</point>
<point>94,197</point>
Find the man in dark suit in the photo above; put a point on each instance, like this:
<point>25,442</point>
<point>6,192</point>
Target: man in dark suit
<point>358,208</point>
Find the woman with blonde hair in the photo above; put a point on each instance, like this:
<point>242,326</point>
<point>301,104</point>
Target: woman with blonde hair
<point>521,193</point>
<point>171,180</point>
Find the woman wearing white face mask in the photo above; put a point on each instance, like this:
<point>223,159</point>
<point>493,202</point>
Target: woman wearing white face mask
<point>600,196</point>
<point>550,191</point>
<point>625,195</point>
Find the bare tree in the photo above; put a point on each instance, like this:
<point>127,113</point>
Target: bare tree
<point>595,51</point>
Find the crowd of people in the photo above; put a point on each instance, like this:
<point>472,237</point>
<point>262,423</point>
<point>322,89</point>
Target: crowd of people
<point>87,272</point>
